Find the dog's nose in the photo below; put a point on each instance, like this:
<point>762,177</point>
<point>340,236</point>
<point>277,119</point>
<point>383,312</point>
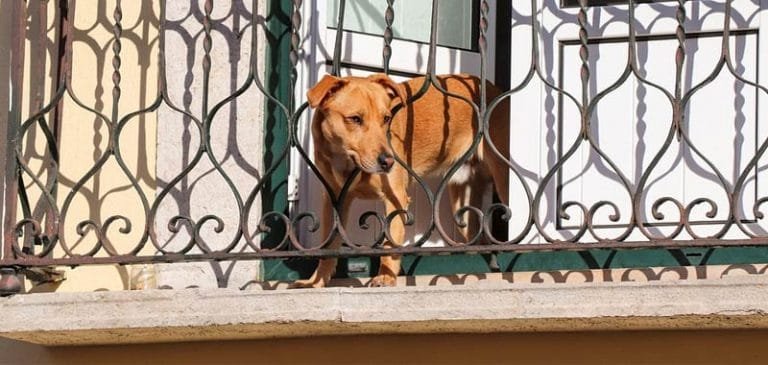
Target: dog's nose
<point>386,161</point>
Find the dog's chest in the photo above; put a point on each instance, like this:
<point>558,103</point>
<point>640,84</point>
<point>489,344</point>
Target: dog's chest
<point>463,174</point>
<point>366,187</point>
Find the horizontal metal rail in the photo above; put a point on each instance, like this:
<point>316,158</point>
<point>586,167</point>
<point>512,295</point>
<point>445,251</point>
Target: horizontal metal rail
<point>373,252</point>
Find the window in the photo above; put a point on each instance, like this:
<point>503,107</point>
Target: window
<point>457,27</point>
<point>575,3</point>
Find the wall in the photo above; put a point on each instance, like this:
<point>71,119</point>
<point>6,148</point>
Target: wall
<point>236,137</point>
<point>156,145</point>
<point>84,134</point>
<point>665,347</point>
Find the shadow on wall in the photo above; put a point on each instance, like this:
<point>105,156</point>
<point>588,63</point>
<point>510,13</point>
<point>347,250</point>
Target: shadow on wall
<point>127,141</point>
<point>606,275</point>
<point>117,151</point>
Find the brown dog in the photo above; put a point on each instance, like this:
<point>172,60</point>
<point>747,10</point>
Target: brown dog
<point>352,115</point>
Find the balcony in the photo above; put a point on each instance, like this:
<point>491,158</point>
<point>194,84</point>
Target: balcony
<point>168,145</point>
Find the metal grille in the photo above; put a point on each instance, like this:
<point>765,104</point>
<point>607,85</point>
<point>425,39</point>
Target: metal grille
<point>37,236</point>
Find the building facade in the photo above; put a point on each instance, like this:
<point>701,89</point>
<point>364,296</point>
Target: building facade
<point>159,172</point>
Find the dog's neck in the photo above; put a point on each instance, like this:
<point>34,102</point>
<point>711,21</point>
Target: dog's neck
<point>341,166</point>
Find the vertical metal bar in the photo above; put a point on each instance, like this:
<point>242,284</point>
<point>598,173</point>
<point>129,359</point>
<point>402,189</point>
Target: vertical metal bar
<point>9,281</point>
<point>632,36</point>
<point>677,113</point>
<point>535,29</point>
<point>502,79</point>
<point>295,47</point>
<point>62,64</point>
<point>336,68</point>
<point>26,212</point>
<point>207,45</point>
<point>680,53</point>
<point>117,31</point>
<point>37,72</point>
<point>585,74</point>
<point>18,37</point>
<point>162,79</point>
<point>483,45</point>
<point>278,80</point>
<point>432,40</point>
<point>293,160</point>
<point>39,20</point>
<point>389,17</point>
<point>727,29</point>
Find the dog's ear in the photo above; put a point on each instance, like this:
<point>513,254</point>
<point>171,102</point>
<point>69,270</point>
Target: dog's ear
<point>328,85</point>
<point>394,89</point>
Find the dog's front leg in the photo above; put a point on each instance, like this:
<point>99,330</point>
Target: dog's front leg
<point>396,199</point>
<point>326,267</point>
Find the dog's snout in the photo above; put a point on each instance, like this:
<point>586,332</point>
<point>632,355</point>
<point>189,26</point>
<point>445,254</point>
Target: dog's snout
<point>386,161</point>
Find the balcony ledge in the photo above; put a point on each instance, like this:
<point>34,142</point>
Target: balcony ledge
<point>217,314</point>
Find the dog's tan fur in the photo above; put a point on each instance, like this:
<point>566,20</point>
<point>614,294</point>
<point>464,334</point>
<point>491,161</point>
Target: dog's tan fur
<point>432,133</point>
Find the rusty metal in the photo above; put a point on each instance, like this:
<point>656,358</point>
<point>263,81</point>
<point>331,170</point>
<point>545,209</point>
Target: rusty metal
<point>337,47</point>
<point>63,66</point>
<point>377,252</point>
<point>587,234</point>
<point>117,46</point>
<point>9,281</point>
<point>389,17</point>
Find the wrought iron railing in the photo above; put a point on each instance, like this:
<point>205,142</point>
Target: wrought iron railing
<point>34,231</point>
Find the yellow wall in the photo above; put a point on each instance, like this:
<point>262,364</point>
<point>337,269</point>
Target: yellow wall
<point>663,347</point>
<point>84,134</point>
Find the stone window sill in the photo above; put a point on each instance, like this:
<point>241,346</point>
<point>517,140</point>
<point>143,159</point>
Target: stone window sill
<point>733,301</point>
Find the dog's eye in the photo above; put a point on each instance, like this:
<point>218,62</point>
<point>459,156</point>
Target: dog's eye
<point>387,119</point>
<point>356,119</point>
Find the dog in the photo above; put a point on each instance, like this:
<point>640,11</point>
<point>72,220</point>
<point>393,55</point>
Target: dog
<point>430,134</point>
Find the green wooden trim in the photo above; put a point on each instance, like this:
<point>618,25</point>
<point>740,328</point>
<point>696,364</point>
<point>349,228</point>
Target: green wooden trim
<point>548,261</point>
<point>278,83</point>
<point>592,259</point>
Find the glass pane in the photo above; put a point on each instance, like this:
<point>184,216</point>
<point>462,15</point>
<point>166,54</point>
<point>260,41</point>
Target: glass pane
<point>575,3</point>
<point>457,20</point>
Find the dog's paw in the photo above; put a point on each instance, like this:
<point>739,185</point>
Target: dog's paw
<point>383,280</point>
<point>304,284</point>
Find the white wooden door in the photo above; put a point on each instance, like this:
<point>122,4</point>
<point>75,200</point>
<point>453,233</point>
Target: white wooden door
<point>630,124</point>
<point>361,54</point>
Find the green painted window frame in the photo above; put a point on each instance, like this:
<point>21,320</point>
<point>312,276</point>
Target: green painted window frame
<point>278,84</point>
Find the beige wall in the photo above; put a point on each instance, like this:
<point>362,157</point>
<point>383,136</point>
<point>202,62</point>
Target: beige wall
<point>84,134</point>
<point>663,347</point>
<point>109,192</point>
<point>151,143</point>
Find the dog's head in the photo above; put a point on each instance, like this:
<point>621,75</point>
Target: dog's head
<point>355,116</point>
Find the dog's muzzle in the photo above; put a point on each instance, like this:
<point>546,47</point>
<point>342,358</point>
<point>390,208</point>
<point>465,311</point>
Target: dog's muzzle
<point>386,161</point>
